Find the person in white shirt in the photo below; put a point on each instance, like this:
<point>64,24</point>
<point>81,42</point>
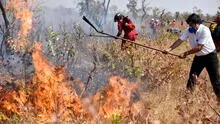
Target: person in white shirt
<point>205,52</point>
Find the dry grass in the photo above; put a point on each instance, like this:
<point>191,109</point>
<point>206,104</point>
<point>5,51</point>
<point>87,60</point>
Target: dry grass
<point>163,97</point>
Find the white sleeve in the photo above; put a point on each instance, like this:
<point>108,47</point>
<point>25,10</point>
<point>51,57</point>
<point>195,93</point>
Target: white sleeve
<point>203,37</point>
<point>184,36</point>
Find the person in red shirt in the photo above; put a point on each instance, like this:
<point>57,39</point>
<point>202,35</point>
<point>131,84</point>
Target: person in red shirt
<point>125,24</point>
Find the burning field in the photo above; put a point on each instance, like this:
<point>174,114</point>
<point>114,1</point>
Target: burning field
<point>52,81</point>
<point>49,96</point>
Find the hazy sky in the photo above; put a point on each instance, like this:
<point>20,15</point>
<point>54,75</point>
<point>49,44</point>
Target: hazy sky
<point>207,6</point>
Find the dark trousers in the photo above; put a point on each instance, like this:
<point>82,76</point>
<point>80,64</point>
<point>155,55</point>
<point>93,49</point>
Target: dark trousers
<point>210,62</point>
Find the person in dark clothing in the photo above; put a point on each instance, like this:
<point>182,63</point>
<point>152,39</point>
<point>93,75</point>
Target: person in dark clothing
<point>205,52</point>
<point>125,24</point>
<point>215,31</point>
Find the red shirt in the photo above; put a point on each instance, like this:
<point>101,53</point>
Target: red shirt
<point>129,29</point>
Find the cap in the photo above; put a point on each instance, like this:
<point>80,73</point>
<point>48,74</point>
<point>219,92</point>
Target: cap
<point>217,19</point>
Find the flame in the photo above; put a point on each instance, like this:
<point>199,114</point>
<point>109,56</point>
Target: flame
<point>52,95</point>
<point>115,99</point>
<point>12,101</point>
<point>53,98</point>
<point>24,15</point>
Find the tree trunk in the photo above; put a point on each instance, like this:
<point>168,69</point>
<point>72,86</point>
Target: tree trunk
<point>106,10</point>
<point>6,33</point>
<point>87,6</point>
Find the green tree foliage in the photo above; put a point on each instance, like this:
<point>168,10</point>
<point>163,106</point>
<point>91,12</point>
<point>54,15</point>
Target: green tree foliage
<point>61,44</point>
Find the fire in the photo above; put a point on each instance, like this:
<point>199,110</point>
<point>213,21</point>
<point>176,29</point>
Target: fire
<point>24,15</point>
<point>50,97</point>
<point>12,101</point>
<point>115,99</point>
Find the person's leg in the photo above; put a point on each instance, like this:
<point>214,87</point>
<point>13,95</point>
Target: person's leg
<point>212,68</point>
<point>196,68</point>
<point>123,46</point>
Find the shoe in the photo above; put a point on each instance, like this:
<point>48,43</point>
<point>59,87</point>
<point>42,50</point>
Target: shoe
<point>194,78</point>
<point>191,83</point>
<point>190,86</point>
<point>218,99</point>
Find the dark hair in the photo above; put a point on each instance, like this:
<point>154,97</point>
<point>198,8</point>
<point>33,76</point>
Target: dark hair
<point>118,16</point>
<point>194,18</point>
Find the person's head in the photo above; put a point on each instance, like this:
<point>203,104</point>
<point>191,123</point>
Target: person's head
<point>217,19</point>
<point>193,21</point>
<point>118,17</point>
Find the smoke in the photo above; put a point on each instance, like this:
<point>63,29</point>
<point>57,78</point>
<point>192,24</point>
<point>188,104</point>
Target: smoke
<point>85,55</point>
<point>87,49</point>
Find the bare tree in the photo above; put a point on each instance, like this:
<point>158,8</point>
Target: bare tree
<point>156,12</point>
<point>95,10</point>
<point>198,11</point>
<point>6,33</point>
<point>106,7</point>
<point>144,8</point>
<point>87,5</point>
<point>162,20</point>
<point>218,12</point>
<point>132,7</point>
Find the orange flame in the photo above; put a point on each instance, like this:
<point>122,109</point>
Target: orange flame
<point>52,98</point>
<point>116,98</point>
<point>24,15</point>
<point>52,94</point>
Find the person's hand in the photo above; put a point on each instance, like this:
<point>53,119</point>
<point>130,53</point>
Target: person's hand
<point>167,51</point>
<point>183,55</point>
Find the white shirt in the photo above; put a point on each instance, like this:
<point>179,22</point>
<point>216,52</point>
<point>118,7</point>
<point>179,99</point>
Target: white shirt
<point>202,36</point>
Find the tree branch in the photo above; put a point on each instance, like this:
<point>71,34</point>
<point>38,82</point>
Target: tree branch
<point>88,80</point>
<point>4,15</point>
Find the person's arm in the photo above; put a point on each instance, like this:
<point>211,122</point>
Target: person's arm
<point>128,23</point>
<point>119,29</point>
<point>183,37</point>
<point>174,45</point>
<point>192,51</point>
<point>119,33</point>
<point>130,26</point>
<point>201,41</point>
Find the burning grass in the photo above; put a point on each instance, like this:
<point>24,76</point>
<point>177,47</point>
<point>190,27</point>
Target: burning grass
<point>49,97</point>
